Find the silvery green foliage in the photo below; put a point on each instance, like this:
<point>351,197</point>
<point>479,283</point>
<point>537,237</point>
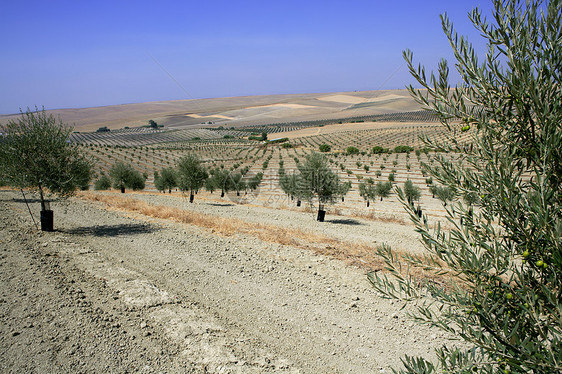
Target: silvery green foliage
<point>191,174</point>
<point>125,176</point>
<point>35,152</point>
<point>166,179</point>
<point>315,181</point>
<point>497,271</point>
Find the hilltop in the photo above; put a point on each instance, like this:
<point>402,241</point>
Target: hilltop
<point>239,111</point>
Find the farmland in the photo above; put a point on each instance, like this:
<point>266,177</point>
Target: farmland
<point>150,151</point>
<point>248,282</point>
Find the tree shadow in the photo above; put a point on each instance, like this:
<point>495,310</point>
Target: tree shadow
<point>220,204</point>
<point>345,222</point>
<point>111,230</point>
<point>30,200</point>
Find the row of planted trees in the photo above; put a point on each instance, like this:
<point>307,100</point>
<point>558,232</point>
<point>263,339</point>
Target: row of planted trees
<point>189,175</point>
<point>314,182</point>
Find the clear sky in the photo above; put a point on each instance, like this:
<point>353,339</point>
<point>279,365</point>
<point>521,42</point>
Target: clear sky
<point>65,54</point>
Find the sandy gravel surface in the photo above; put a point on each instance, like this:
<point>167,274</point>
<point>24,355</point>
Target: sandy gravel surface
<point>115,292</point>
<point>348,229</point>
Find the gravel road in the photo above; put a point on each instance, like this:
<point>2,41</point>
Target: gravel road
<point>111,291</point>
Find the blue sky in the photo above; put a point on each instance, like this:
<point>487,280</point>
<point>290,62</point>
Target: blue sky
<point>67,54</point>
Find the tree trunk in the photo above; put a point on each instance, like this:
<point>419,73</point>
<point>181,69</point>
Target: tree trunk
<point>43,207</point>
<point>191,197</point>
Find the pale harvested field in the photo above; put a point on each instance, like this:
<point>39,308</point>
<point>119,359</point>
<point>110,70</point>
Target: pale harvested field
<point>332,129</point>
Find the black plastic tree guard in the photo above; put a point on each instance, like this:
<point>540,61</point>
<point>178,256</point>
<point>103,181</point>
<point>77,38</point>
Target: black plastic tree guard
<point>321,215</point>
<point>46,220</point>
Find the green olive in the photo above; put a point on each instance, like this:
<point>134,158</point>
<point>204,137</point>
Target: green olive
<point>540,263</point>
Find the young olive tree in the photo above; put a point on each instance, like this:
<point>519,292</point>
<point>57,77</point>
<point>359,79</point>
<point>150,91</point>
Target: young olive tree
<point>254,181</point>
<point>219,179</point>
<point>343,189</point>
<point>165,180</point>
<point>411,192</point>
<point>236,180</point>
<point>383,189</point>
<point>125,176</point>
<point>368,191</point>
<point>103,183</point>
<point>316,181</point>
<point>289,185</point>
<point>35,152</point>
<point>504,261</point>
<point>191,175</point>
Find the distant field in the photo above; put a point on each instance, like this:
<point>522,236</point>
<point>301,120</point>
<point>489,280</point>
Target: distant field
<point>152,150</point>
<point>239,111</point>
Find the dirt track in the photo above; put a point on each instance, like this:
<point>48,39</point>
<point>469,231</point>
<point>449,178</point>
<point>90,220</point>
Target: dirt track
<point>116,292</point>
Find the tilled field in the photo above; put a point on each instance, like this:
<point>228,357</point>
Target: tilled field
<point>111,291</point>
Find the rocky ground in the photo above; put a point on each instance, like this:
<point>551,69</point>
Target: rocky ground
<point>117,292</point>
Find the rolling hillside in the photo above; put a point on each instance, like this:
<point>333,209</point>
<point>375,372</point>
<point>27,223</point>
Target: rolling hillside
<point>239,111</point>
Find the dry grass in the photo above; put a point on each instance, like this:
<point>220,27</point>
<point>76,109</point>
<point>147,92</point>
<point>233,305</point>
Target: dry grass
<point>372,216</point>
<point>357,254</point>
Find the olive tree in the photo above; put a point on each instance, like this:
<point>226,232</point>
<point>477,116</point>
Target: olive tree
<point>367,190</point>
<point>103,183</point>
<point>166,179</point>
<point>219,179</point>
<point>443,193</point>
<point>125,176</point>
<point>503,262</point>
<point>254,181</point>
<point>383,189</point>
<point>289,185</point>
<point>191,174</point>
<point>236,180</point>
<point>317,182</point>
<point>36,153</point>
<point>411,192</point>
